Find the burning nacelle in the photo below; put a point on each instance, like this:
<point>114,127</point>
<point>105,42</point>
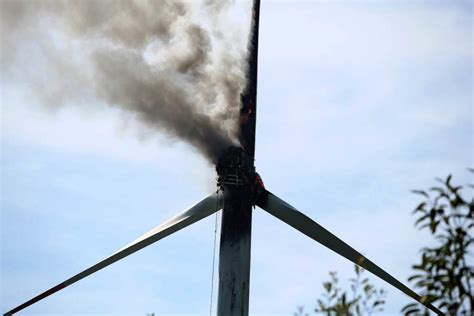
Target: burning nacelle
<point>236,170</point>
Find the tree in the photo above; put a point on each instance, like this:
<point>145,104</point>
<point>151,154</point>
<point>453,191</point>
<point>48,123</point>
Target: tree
<point>363,299</point>
<point>443,273</point>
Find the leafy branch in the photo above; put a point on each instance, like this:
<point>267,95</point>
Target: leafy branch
<point>443,274</point>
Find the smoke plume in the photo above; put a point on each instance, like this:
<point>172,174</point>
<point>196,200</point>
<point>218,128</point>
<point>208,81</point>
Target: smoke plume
<point>177,67</point>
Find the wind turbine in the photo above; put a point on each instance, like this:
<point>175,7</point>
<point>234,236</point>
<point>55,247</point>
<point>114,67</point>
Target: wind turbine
<point>241,189</point>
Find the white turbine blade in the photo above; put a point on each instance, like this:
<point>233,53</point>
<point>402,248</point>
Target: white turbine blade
<point>288,214</point>
<point>204,208</point>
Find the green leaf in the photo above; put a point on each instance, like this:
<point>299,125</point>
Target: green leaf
<point>420,192</point>
<point>357,269</point>
<point>327,286</point>
<point>414,277</point>
<point>420,207</point>
<point>448,181</point>
<point>408,306</point>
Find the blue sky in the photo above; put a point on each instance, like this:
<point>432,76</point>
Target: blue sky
<point>358,103</point>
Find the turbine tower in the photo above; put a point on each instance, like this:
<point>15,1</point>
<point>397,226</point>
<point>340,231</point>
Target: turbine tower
<point>240,190</point>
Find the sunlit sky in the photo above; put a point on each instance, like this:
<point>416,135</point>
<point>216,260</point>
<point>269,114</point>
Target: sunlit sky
<point>358,103</point>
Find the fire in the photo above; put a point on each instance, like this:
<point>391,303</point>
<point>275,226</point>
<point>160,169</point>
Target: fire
<point>245,115</point>
<point>236,171</point>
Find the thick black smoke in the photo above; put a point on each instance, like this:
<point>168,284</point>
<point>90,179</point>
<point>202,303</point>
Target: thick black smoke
<point>175,66</point>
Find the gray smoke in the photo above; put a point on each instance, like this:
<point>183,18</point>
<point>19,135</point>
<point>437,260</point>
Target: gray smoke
<point>177,67</point>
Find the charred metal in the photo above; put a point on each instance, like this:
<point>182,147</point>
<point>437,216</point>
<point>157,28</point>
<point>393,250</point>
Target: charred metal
<point>236,170</point>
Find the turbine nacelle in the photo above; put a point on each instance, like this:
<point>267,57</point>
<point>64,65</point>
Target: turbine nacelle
<point>236,171</point>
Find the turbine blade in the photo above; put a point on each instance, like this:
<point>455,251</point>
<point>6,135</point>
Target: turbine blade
<point>204,208</point>
<point>288,214</point>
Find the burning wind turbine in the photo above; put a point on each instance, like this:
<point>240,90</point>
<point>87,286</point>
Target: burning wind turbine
<point>240,190</point>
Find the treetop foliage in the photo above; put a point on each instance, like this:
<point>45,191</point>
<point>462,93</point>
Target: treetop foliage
<point>444,273</point>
